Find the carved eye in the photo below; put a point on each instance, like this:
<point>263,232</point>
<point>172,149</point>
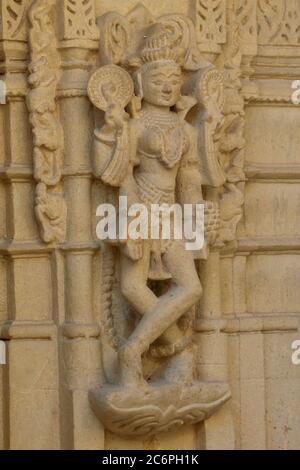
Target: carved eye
<point>158,83</point>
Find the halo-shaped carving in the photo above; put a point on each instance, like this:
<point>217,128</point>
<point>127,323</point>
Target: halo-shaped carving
<point>110,84</point>
<point>182,38</point>
<point>211,86</point>
<point>115,38</point>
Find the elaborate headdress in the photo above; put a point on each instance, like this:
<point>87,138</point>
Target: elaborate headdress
<point>158,46</point>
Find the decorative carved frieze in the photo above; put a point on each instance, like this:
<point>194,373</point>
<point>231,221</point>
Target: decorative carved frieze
<point>13,19</point>
<point>231,136</point>
<point>48,139</point>
<point>77,22</point>
<point>210,24</point>
<point>245,11</point>
<point>279,22</point>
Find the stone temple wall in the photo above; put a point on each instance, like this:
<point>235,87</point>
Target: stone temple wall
<point>51,265</point>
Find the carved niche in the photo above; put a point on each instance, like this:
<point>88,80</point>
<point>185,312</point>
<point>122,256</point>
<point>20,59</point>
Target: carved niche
<point>155,143</point>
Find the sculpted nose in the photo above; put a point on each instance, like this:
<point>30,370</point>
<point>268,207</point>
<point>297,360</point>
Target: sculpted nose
<point>167,88</point>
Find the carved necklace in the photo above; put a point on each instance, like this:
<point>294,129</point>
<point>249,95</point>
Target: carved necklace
<point>168,129</point>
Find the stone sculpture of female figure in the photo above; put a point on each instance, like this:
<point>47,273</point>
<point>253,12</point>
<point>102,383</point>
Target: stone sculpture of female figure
<point>152,158</point>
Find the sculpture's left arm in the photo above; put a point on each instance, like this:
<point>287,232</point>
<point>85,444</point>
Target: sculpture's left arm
<point>189,184</point>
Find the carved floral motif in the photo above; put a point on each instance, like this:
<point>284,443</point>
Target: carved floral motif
<point>279,22</point>
<point>211,24</point>
<point>79,19</point>
<point>14,19</point>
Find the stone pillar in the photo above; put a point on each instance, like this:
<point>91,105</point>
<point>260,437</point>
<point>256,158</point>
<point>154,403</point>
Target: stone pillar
<point>80,332</point>
<point>29,388</point>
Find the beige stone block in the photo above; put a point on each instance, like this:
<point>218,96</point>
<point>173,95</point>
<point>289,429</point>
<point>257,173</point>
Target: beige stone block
<point>278,356</point>
<point>280,206</point>
<point>34,409</point>
<point>184,439</point>
<point>253,432</point>
<point>33,289</point>
<point>282,416</point>
<point>268,140</point>
<point>88,430</point>
<point>75,361</point>
<point>234,372</point>
<point>251,356</point>
<point>113,442</point>
<point>212,349</point>
<point>212,372</point>
<point>219,433</point>
<point>23,225</point>
<point>272,283</point>
<point>19,145</point>
<point>34,427</point>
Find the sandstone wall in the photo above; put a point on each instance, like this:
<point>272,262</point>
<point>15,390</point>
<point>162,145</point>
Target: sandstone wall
<point>50,303</point>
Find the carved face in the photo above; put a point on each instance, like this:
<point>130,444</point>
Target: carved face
<point>162,84</point>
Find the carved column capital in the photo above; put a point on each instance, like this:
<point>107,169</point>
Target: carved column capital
<point>13,35</point>
<point>77,24</point>
<point>210,21</point>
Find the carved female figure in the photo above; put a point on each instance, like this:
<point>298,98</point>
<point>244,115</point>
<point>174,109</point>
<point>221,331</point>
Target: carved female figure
<point>150,153</point>
<point>152,159</point>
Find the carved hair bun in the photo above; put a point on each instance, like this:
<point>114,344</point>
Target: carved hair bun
<point>110,85</point>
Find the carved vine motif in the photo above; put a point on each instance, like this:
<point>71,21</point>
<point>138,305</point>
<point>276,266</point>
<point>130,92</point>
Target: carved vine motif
<point>279,22</point>
<point>231,140</point>
<point>80,19</point>
<point>50,206</point>
<point>245,11</point>
<point>211,22</point>
<point>14,18</point>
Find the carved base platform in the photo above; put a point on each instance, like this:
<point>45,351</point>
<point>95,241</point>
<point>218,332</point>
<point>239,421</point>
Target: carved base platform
<point>152,409</point>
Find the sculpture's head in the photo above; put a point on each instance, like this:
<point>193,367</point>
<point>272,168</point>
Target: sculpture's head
<point>160,75</point>
<point>161,83</point>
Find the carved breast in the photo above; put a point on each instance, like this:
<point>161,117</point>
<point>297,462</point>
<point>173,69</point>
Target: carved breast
<point>163,138</point>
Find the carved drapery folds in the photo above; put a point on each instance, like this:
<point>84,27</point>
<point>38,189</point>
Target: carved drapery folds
<point>50,206</point>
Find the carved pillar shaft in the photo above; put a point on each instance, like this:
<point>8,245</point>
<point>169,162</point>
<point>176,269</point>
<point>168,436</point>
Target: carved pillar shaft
<point>81,346</point>
<point>28,321</point>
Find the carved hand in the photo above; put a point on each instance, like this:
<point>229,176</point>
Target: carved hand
<point>115,117</point>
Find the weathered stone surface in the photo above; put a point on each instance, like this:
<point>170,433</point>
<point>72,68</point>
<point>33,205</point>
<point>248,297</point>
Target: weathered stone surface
<point>140,344</point>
